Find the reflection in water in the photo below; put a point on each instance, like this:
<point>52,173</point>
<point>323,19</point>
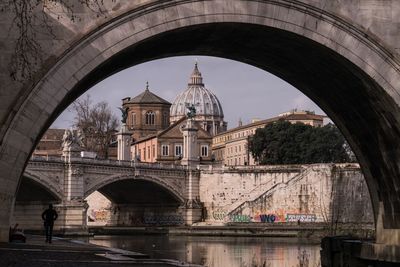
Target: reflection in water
<point>220,251</point>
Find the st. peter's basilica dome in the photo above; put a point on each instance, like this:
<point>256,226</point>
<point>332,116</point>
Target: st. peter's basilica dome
<point>208,108</point>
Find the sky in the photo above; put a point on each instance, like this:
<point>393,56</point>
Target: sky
<point>245,92</point>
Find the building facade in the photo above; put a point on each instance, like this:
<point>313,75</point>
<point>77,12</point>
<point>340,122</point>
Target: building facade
<point>167,145</point>
<point>231,147</point>
<point>147,114</point>
<point>50,144</point>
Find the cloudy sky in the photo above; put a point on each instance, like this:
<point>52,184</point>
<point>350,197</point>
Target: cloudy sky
<point>245,92</point>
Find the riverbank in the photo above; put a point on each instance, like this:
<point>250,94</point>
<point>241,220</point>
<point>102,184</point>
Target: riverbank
<point>72,253</point>
<point>310,231</point>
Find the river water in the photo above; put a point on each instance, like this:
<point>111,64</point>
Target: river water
<point>220,251</point>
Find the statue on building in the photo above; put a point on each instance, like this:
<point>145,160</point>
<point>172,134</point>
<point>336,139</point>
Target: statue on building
<point>80,137</point>
<point>72,139</point>
<point>124,112</point>
<point>67,139</point>
<point>192,110</point>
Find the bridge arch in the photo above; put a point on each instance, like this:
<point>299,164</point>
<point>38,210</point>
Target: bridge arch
<point>42,183</point>
<point>175,193</point>
<point>339,65</point>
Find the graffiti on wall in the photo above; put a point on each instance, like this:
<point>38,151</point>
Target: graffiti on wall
<point>163,219</point>
<point>219,215</point>
<point>240,218</point>
<point>264,216</point>
<point>301,217</point>
<point>99,215</point>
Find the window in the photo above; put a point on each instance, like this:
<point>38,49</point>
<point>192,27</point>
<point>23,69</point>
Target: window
<point>133,118</point>
<point>178,150</point>
<point>164,150</point>
<point>165,119</point>
<point>204,151</point>
<point>154,151</point>
<point>144,154</point>
<point>148,152</point>
<point>150,118</point>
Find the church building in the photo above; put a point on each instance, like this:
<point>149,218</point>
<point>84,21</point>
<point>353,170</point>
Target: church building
<point>147,114</point>
<point>156,125</point>
<point>208,108</point>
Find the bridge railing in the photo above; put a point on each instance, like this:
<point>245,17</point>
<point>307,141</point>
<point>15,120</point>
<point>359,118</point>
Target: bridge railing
<point>123,163</point>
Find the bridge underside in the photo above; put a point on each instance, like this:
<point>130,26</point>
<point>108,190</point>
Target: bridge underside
<point>364,112</point>
<point>30,190</point>
<point>32,199</point>
<point>345,68</point>
<point>138,192</point>
<point>140,202</point>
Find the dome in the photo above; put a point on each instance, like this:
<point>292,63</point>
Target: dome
<point>208,107</point>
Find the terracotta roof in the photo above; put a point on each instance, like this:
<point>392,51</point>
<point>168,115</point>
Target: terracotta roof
<point>53,134</point>
<point>148,97</point>
<point>251,125</point>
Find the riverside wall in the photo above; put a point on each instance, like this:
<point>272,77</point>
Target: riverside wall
<point>317,193</point>
<point>281,194</point>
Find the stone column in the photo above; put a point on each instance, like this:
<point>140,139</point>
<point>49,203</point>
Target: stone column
<point>73,209</point>
<point>124,143</point>
<point>193,206</point>
<point>190,146</point>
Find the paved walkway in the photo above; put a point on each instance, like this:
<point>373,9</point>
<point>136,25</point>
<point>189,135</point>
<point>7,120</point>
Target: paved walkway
<point>70,253</point>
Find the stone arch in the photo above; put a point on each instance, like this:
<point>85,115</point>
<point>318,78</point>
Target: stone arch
<point>328,46</point>
<point>160,182</point>
<point>45,184</point>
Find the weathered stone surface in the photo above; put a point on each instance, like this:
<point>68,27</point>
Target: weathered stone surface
<point>349,65</point>
<point>309,193</point>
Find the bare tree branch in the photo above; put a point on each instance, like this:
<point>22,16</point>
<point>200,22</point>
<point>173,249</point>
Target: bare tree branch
<point>98,124</point>
<point>29,20</point>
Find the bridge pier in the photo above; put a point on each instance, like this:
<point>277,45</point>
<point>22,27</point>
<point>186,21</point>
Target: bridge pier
<point>193,206</point>
<point>73,217</point>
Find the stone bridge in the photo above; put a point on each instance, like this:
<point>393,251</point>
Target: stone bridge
<point>68,182</point>
<point>343,54</point>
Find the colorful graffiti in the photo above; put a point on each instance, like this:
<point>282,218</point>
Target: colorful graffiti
<point>99,215</point>
<point>280,215</point>
<point>301,217</point>
<point>219,215</point>
<point>240,218</point>
<point>267,218</point>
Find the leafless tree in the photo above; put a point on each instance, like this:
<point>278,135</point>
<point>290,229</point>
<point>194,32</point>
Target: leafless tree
<point>97,123</point>
<point>26,15</point>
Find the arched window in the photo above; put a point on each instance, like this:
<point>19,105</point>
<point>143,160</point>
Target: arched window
<point>165,119</point>
<point>150,118</point>
<point>133,118</point>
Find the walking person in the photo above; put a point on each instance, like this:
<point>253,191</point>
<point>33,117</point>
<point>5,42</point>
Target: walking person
<point>49,216</point>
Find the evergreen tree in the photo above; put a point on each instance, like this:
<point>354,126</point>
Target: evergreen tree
<point>282,142</point>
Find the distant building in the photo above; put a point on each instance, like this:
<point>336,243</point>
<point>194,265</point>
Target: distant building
<point>147,114</point>
<point>209,111</point>
<point>156,124</point>
<point>231,147</point>
<point>50,144</point>
<point>167,146</point>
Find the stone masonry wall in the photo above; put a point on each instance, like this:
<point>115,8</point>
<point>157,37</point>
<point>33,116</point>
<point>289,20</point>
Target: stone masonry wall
<point>309,193</point>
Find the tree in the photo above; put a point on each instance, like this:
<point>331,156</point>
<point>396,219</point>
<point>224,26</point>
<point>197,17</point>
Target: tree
<point>285,143</point>
<point>97,123</point>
